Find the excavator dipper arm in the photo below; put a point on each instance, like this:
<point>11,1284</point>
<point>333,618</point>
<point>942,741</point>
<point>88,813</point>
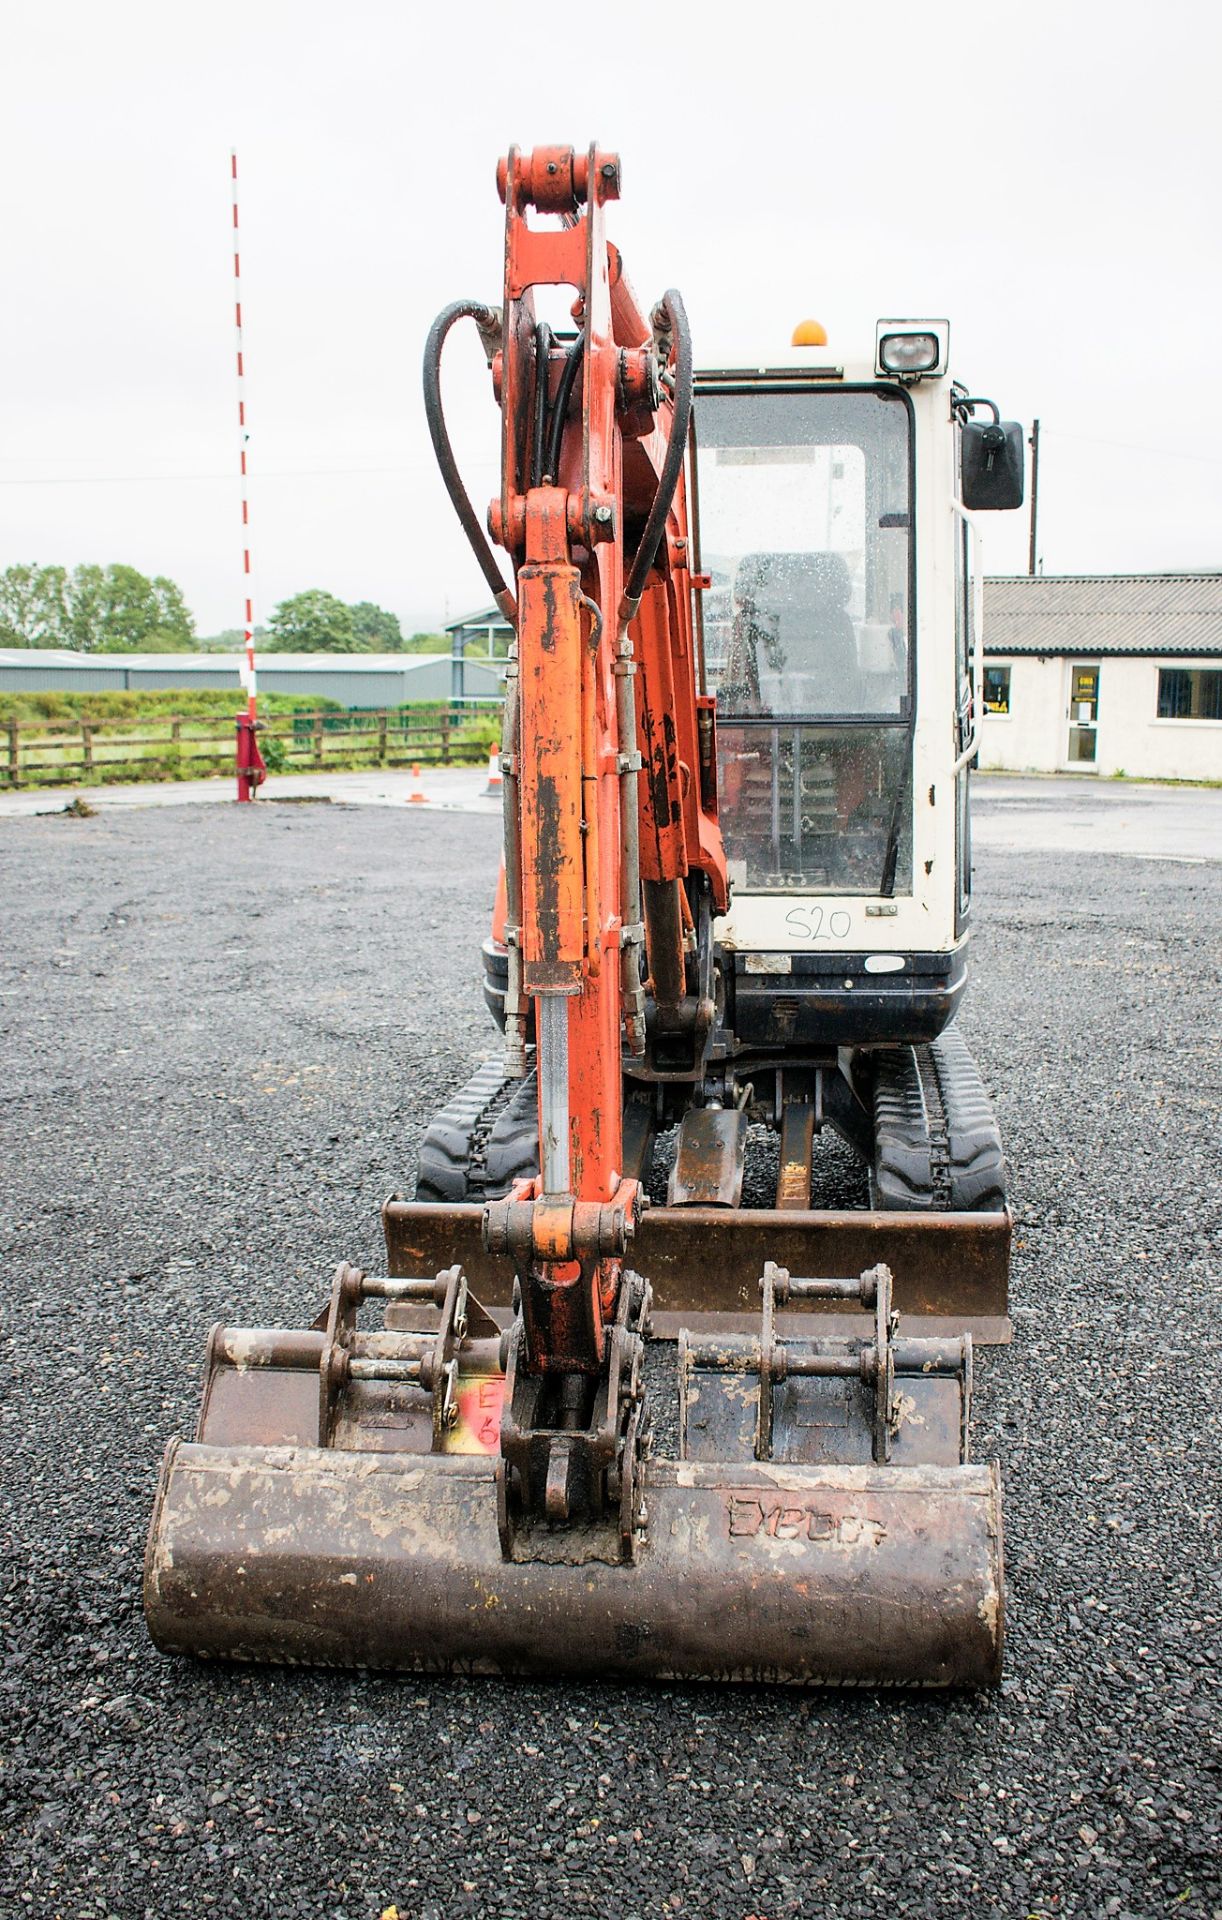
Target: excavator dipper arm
<point>604,786</point>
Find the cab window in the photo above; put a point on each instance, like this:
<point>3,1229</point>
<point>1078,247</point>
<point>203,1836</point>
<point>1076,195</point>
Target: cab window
<point>805,528</point>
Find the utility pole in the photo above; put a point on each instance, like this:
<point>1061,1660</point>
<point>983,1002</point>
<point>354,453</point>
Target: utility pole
<point>1034,444</point>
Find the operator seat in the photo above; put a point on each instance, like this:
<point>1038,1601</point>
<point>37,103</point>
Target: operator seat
<point>793,647</point>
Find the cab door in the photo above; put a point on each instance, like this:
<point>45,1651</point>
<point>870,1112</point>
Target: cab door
<point>966,719</point>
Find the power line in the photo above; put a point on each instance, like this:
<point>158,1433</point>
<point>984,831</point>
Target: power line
<point>266,473</point>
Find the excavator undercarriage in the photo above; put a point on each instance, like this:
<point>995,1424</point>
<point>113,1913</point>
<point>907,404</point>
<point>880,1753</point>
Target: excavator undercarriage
<point>653,1384</point>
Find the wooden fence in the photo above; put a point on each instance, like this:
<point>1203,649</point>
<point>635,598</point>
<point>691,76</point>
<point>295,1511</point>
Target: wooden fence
<point>169,747</point>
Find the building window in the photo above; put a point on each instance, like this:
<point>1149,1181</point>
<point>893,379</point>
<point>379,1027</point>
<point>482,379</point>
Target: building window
<point>997,689</point>
<point>1189,693</point>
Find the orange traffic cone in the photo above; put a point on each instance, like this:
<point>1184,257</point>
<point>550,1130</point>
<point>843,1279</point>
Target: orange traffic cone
<point>416,796</point>
<point>495,785</point>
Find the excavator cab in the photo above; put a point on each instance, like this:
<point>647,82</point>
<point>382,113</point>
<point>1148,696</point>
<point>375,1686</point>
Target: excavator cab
<point>654,1384</point>
<point>832,656</point>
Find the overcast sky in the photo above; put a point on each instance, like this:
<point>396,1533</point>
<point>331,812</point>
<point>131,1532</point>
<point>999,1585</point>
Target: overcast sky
<point>1047,176</point>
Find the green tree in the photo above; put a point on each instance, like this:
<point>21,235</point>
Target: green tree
<point>312,622</point>
<point>128,613</point>
<point>427,643</point>
<point>125,608</point>
<point>175,622</point>
<point>377,630</point>
<point>34,607</point>
<point>117,609</point>
<point>93,609</point>
<point>86,602</point>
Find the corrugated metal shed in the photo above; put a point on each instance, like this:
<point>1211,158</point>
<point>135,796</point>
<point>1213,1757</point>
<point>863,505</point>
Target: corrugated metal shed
<point>1098,614</point>
<point>355,680</point>
<point>51,670</point>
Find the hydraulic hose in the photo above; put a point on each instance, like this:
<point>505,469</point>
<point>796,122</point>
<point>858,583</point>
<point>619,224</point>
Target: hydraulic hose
<point>589,788</point>
<point>543,349</point>
<point>564,394</point>
<point>486,318</point>
<point>672,306</point>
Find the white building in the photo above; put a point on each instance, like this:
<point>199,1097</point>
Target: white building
<point>1113,673</point>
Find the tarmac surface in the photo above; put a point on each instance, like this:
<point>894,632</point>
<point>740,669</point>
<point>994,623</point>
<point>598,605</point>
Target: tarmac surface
<point>223,1030</point>
<point>1038,812</point>
<point>464,788</point>
<point>1082,817</point>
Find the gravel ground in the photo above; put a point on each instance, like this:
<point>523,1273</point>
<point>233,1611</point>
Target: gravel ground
<point>222,1031</point>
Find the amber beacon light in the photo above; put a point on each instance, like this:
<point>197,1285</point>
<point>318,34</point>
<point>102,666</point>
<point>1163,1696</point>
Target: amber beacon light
<point>809,333</point>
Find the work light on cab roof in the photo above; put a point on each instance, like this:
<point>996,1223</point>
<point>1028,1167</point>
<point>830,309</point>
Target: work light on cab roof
<point>912,349</point>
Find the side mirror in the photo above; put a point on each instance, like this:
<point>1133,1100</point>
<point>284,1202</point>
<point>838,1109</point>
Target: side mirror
<point>992,477</point>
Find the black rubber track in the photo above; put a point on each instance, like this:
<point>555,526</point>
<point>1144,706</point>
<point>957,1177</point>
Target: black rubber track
<point>936,1144</point>
<point>483,1140</point>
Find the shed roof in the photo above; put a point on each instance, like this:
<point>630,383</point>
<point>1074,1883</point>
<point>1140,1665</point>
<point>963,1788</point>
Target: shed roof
<point>1178,614</point>
<point>43,656</point>
<point>269,662</point>
<point>1112,613</point>
<point>189,663</point>
<point>484,617</point>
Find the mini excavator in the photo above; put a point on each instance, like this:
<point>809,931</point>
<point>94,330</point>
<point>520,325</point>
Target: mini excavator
<point>568,1431</point>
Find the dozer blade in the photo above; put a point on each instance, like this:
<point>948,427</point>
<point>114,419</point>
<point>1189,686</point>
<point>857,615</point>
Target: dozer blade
<point>951,1269</point>
<point>349,1499</point>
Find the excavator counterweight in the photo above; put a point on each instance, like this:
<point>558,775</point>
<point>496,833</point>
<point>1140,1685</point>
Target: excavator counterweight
<point>568,1431</point>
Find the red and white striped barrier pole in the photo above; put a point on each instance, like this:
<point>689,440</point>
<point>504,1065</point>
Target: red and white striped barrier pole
<point>250,767</point>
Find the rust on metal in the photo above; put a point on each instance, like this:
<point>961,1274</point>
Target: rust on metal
<point>951,1267</point>
<point>797,1148</point>
<point>474,1489</point>
<point>860,1575</point>
<point>855,1547</point>
<point>550,676</point>
<point>710,1159</point>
